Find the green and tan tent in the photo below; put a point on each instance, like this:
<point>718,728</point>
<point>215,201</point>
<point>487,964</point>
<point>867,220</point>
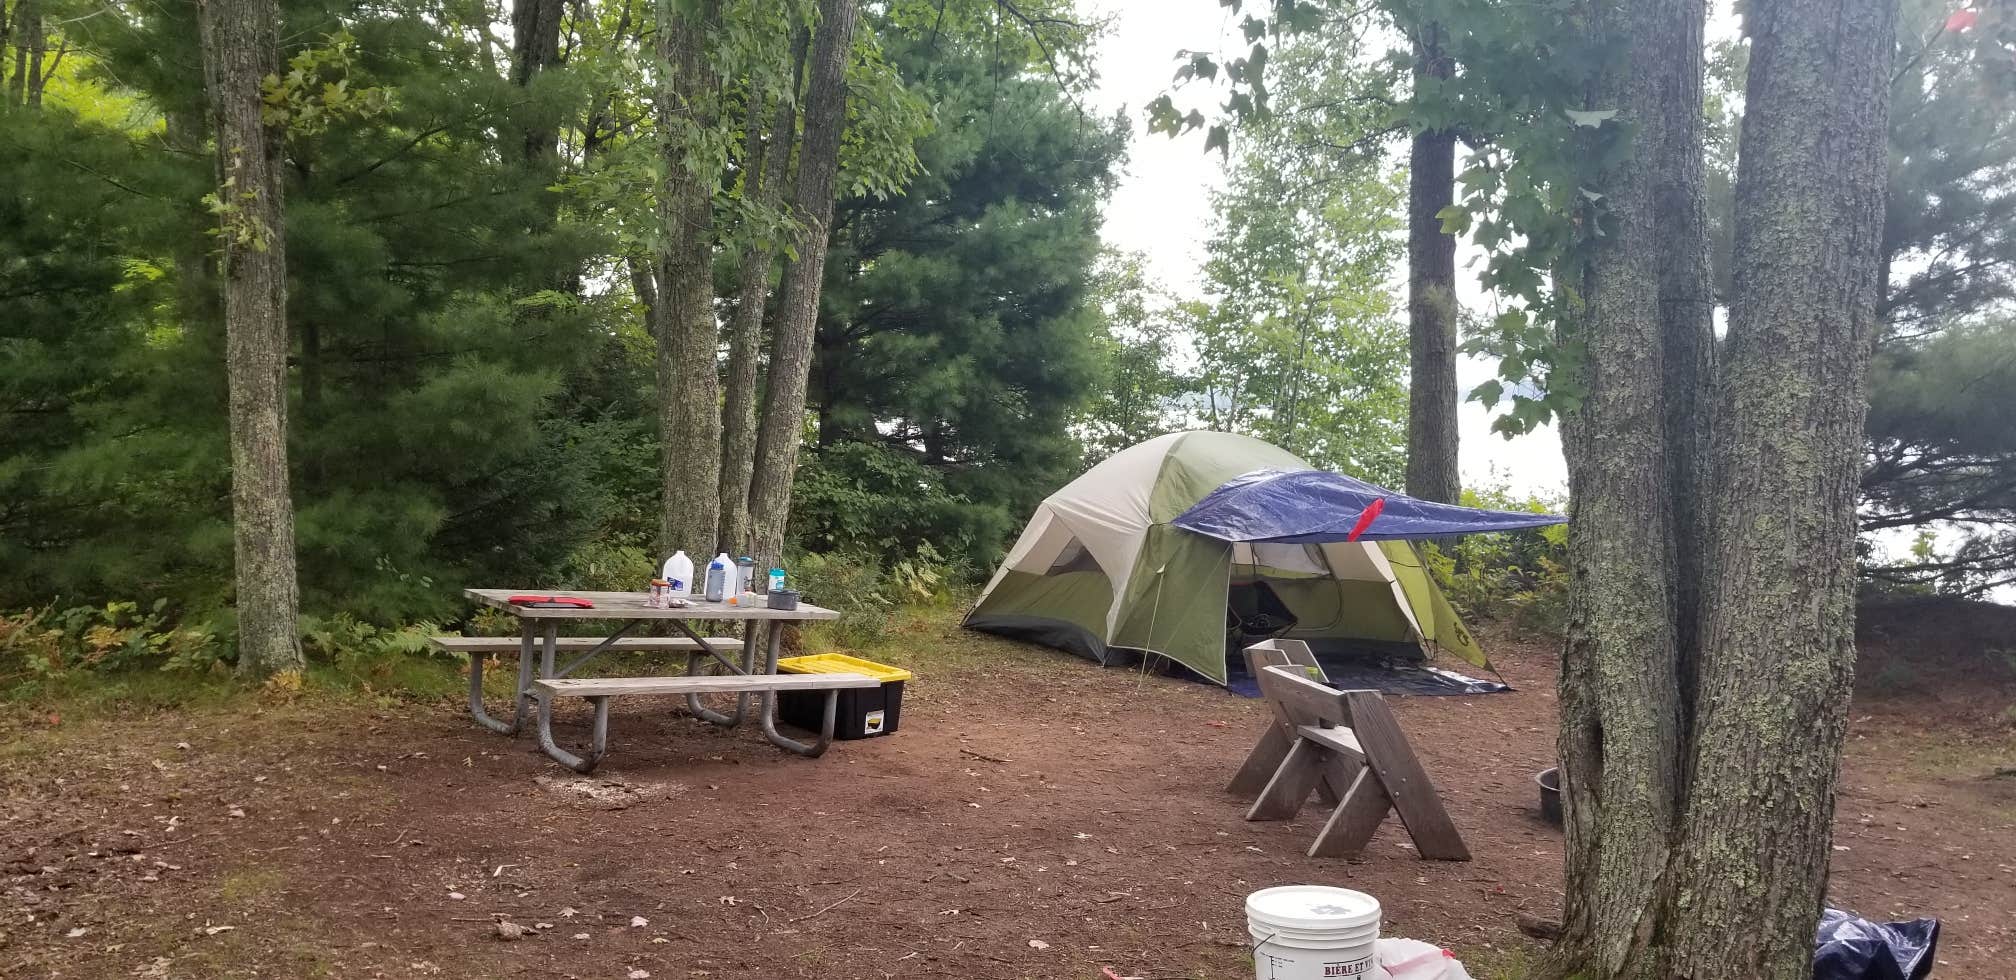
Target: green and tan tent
<point>1101,572</point>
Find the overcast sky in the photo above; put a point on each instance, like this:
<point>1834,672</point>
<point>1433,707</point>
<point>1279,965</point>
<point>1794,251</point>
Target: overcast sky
<point>1162,207</point>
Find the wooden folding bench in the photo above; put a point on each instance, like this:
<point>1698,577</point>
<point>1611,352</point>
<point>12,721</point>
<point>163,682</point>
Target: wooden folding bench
<point>1347,748</point>
<point>599,691</point>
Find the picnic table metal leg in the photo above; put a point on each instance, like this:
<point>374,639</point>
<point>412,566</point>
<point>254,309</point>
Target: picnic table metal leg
<point>768,708</point>
<point>693,662</point>
<point>598,739</point>
<point>549,650</point>
<point>476,699</point>
<point>812,750</point>
<point>476,708</point>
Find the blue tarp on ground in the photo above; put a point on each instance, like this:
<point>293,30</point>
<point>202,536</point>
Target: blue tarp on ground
<point>1311,506</point>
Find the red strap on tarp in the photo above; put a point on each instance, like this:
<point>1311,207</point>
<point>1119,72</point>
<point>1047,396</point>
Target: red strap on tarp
<point>1365,518</point>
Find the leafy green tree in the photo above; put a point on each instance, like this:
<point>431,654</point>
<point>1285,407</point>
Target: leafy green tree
<point>1144,391</point>
<point>1299,341</point>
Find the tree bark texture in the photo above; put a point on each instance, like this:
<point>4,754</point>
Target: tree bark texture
<point>535,46</point>
<point>240,48</point>
<point>798,299</point>
<point>769,165</point>
<point>1777,629</point>
<point>689,388</point>
<point>1633,452</point>
<point>1432,396</point>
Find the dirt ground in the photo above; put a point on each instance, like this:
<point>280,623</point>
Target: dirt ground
<point>1035,817</point>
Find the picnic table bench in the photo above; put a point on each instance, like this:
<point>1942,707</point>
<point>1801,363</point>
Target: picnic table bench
<point>541,679</point>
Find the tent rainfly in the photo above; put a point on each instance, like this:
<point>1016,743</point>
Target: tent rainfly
<point>1146,552</point>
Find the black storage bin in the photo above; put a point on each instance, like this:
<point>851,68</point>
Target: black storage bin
<point>862,712</point>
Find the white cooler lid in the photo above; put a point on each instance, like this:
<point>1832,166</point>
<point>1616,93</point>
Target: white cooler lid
<point>1312,907</point>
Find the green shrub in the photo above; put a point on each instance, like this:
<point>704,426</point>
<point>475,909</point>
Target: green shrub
<point>117,636</point>
<point>868,591</point>
<point>608,567</point>
<point>881,504</point>
<point>1519,576</point>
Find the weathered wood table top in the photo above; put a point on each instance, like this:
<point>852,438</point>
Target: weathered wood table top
<point>636,605</point>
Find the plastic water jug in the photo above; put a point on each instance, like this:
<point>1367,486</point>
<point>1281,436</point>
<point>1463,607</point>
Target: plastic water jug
<point>718,572</point>
<point>679,573</point>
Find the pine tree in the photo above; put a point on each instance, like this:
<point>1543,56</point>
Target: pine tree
<point>958,327</point>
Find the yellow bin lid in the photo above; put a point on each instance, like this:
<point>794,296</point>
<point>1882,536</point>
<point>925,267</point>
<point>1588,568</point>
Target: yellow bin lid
<point>840,663</point>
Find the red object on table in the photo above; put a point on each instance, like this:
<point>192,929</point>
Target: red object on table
<point>551,601</point>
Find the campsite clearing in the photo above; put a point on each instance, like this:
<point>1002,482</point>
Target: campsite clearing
<point>1036,817</point>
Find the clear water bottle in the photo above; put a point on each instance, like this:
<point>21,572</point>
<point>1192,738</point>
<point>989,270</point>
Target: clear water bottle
<point>718,572</point>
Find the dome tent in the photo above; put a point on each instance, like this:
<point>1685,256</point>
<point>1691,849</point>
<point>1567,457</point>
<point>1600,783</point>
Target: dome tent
<point>1103,569</point>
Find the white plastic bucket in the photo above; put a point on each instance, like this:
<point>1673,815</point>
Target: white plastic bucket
<point>1313,932</point>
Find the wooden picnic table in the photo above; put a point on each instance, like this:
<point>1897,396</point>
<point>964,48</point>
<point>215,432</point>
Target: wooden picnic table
<point>540,678</point>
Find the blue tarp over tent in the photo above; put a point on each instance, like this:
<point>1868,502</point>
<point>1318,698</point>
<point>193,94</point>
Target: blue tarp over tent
<point>1311,506</point>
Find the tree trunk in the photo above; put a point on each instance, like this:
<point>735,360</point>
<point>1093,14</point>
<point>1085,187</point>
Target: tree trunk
<point>36,41</point>
<point>798,300</point>
<point>1686,312</point>
<point>769,164</point>
<point>1432,397</point>
<point>1634,455</point>
<point>644,285</point>
<point>240,47</point>
<point>1778,606</point>
<point>26,22</point>
<point>535,46</point>
<point>689,392</point>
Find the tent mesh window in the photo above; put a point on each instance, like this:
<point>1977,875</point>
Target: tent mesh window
<point>1074,558</point>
